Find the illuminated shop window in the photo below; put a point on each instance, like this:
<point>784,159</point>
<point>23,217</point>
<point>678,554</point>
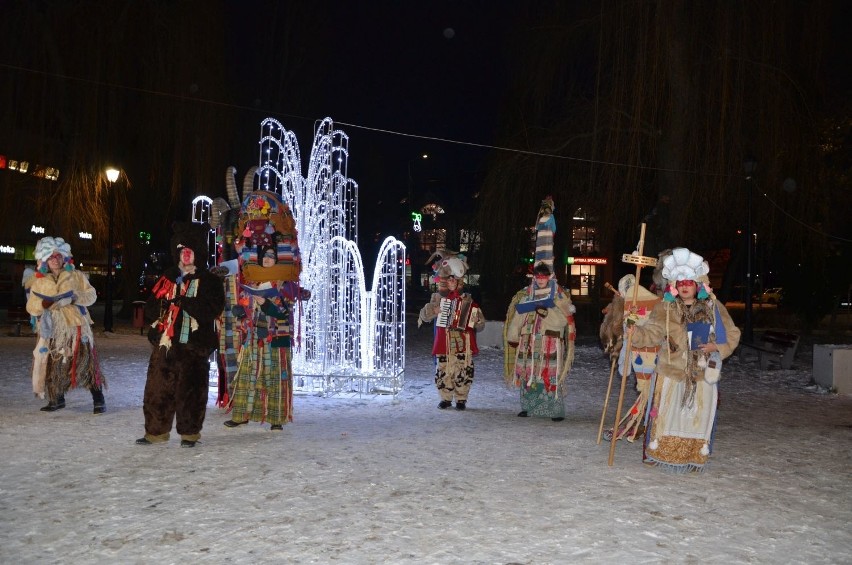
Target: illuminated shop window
<point>582,279</point>
<point>584,234</point>
<point>430,240</point>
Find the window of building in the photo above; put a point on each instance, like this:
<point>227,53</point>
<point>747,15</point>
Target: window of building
<point>582,279</point>
<point>432,210</point>
<point>469,241</point>
<point>430,240</point>
<point>584,234</point>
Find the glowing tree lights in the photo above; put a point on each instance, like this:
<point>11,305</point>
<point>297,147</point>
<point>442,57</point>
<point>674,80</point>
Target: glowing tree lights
<point>352,339</point>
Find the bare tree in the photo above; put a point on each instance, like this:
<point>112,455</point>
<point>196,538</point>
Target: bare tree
<point>619,106</point>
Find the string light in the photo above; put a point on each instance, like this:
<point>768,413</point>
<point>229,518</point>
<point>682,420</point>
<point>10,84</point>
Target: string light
<point>353,338</point>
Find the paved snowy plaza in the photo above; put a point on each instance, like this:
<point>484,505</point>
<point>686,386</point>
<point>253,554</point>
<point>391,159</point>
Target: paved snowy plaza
<point>383,480</point>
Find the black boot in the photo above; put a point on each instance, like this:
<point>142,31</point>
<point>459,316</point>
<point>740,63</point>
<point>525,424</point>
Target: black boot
<point>99,401</point>
<point>54,405</point>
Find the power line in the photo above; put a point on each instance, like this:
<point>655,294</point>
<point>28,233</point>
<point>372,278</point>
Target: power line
<point>219,103</point>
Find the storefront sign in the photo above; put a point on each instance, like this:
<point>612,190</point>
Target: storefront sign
<point>587,260</point>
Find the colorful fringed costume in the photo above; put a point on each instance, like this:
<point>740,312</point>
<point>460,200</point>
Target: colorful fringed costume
<point>60,299</point>
<point>184,304</point>
<point>457,319</point>
<point>683,394</point>
<point>261,389</point>
<point>539,349</point>
<point>539,331</point>
<point>643,360</point>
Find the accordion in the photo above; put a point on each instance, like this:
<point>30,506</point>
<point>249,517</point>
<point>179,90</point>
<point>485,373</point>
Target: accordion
<point>456,313</point>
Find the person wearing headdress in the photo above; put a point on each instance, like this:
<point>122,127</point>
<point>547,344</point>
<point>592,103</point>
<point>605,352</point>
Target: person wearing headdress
<point>59,296</point>
<point>184,304</point>
<point>262,386</point>
<point>457,319</point>
<point>642,359</point>
<point>539,332</point>
<point>695,334</point>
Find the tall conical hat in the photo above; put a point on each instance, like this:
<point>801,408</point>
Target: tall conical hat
<point>545,228</point>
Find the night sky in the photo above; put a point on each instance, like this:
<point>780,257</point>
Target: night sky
<point>426,70</point>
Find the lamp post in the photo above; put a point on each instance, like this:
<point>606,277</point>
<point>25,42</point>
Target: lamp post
<point>749,166</point>
<point>112,176</point>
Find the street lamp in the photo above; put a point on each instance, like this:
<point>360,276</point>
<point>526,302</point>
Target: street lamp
<point>112,176</point>
<point>749,166</point>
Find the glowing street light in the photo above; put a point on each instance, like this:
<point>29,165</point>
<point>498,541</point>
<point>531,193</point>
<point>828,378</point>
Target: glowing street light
<point>112,176</point>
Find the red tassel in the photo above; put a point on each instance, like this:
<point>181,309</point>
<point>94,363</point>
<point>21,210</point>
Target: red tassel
<point>162,288</point>
<point>74,359</point>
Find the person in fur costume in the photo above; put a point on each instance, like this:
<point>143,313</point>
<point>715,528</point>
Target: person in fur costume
<point>539,339</point>
<point>642,359</point>
<point>185,302</point>
<point>695,334</point>
<point>455,334</point>
<point>59,296</point>
<point>539,332</point>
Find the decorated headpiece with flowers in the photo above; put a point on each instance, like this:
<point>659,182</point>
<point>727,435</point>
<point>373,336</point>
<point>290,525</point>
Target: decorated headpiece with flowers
<point>684,265</point>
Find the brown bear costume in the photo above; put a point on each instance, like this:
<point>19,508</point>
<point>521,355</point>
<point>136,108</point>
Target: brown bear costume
<point>185,304</point>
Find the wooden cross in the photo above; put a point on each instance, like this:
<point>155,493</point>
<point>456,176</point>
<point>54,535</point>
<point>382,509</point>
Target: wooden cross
<point>640,261</point>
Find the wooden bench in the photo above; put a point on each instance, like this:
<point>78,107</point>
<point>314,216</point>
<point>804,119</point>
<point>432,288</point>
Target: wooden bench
<point>17,316</point>
<point>772,345</point>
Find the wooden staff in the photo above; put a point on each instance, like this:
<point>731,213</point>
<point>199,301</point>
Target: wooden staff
<point>606,400</point>
<point>614,290</point>
<point>640,262</point>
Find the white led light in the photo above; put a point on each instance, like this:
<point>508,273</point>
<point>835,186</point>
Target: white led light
<point>348,339</point>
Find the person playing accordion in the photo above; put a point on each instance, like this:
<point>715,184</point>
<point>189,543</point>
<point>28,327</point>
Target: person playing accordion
<point>457,319</point>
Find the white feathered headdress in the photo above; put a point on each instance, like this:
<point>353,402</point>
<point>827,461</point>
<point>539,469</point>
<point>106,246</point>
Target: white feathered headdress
<point>47,246</point>
<point>684,265</point>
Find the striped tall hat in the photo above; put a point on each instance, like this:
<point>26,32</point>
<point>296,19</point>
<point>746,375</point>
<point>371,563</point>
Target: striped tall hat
<point>545,227</point>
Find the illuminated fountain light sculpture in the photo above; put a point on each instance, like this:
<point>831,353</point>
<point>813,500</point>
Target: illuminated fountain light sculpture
<point>201,212</point>
<point>352,338</point>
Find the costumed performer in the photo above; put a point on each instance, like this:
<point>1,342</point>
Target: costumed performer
<point>184,304</point>
<point>643,360</point>
<point>539,332</point>
<point>457,319</point>
<point>59,296</point>
<point>269,260</point>
<point>695,333</point>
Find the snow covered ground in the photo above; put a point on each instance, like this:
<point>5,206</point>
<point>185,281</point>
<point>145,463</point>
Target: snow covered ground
<point>383,480</point>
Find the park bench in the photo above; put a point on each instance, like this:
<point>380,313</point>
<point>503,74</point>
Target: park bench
<point>773,345</point>
<point>17,316</point>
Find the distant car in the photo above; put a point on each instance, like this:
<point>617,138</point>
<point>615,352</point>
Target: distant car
<point>772,295</point>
